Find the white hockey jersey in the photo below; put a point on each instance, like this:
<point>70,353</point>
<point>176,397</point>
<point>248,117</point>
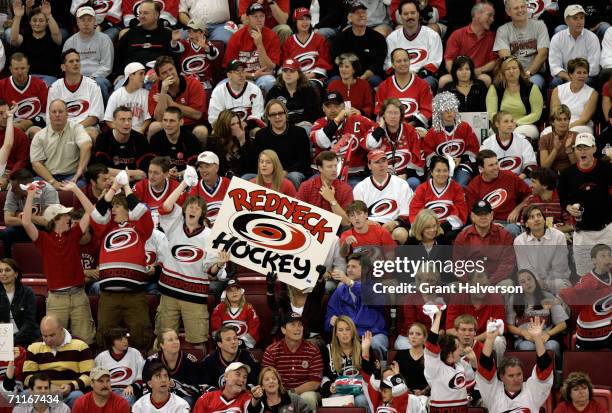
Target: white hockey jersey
<point>247,103</point>
<point>174,405</point>
<point>529,399</point>
<point>425,49</point>
<point>85,101</point>
<point>125,370</point>
<point>517,156</point>
<point>387,201</point>
<point>185,261</point>
<point>448,383</point>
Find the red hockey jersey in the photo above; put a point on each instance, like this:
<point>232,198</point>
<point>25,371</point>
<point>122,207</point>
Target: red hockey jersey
<point>153,199</point>
<point>461,142</point>
<point>351,133</point>
<point>245,321</point>
<point>169,10</point>
<point>242,47</point>
<point>415,96</point>
<point>213,199</point>
<point>214,402</point>
<point>195,61</point>
<point>403,151</point>
<point>122,254</point>
<point>503,193</point>
<point>448,204</point>
<point>31,100</point>
<point>313,54</point>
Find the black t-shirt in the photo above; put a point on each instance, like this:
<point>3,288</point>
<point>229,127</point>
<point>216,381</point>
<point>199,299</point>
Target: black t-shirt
<point>412,370</point>
<point>292,147</point>
<point>133,154</point>
<point>304,105</point>
<point>43,54</point>
<point>182,153</point>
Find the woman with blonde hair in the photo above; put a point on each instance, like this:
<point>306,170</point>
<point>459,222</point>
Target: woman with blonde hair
<point>344,359</point>
<point>577,395</point>
<point>512,92</point>
<point>270,174</point>
<point>233,144</point>
<point>275,397</point>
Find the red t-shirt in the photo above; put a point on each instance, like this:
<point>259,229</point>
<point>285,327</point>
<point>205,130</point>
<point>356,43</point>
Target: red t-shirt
<point>465,42</point>
<point>242,47</point>
<point>20,153</point>
<point>461,305</point>
<point>286,188</point>
<point>376,235</point>
<point>61,255</point>
<point>592,407</point>
<point>115,404</point>
<point>360,95</point>
<point>191,93</point>
<point>243,5</point>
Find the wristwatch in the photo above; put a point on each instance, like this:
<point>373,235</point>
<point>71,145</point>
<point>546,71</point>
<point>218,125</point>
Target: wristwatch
<point>334,203</point>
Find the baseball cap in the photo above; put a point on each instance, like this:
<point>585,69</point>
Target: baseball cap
<point>133,68</point>
<point>85,11</point>
<point>235,64</point>
<point>98,372</point>
<point>208,157</point>
<point>482,206</point>
<point>376,154</point>
<point>197,24</point>
<point>356,6</point>
<point>291,64</point>
<point>54,210</point>
<point>237,365</point>
<point>584,138</point>
<point>232,283</point>
<point>290,318</point>
<point>300,12</point>
<point>255,7</point>
<point>333,97</point>
<point>572,10</point>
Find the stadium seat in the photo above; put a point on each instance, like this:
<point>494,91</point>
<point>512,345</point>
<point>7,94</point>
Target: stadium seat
<point>28,256</point>
<point>391,356</point>
<point>477,410</point>
<point>528,358</point>
<point>253,283</point>
<point>66,198</point>
<point>260,304</point>
<point>594,363</point>
<point>604,397</point>
<point>341,410</point>
<point>41,307</point>
<point>257,354</point>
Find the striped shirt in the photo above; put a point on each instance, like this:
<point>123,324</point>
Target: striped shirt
<point>550,208</point>
<point>295,368</point>
<point>69,363</point>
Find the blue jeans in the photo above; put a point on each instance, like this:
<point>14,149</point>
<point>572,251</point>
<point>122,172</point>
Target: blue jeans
<point>402,343</point>
<point>414,182</point>
<point>105,87</point>
<point>328,32</point>
<point>130,399</point>
<point>526,345</point>
<point>113,33</point>
<point>265,83</point>
<point>46,78</point>
<point>219,32</point>
<point>375,80</point>
<point>72,397</point>
<point>380,343</point>
<point>433,83</point>
<point>538,80</point>
<point>296,179</point>
<point>81,183</point>
<point>514,229</point>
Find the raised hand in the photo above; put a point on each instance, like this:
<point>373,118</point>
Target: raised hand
<point>366,342</point>
<point>536,327</point>
<point>176,35</point>
<point>18,8</point>
<point>395,368</point>
<point>45,8</point>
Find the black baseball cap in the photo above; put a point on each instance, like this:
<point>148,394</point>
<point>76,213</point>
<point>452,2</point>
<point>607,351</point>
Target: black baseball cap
<point>290,318</point>
<point>255,7</point>
<point>333,97</point>
<point>235,64</point>
<point>481,207</point>
<point>356,6</point>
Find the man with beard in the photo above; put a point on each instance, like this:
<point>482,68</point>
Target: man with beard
<point>101,398</point>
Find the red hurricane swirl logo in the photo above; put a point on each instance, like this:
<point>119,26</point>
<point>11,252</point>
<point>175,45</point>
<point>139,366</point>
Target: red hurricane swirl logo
<point>243,112</point>
<point>240,326</point>
<point>509,163</point>
<point>151,257</point>
<point>194,65</point>
<point>402,159</point>
<point>212,211</point>
<point>271,232</point>
<point>496,197</point>
<point>307,60</point>
<point>518,410</point>
<point>457,381</point>
<point>535,7</point>
<point>28,108</point>
<point>382,207</point>
<point>120,238</point>
<point>416,55</point>
<point>603,306</point>
<point>410,106</point>
<point>102,6</point>
<point>187,253</point>
<point>440,208</point>
<point>119,374</point>
<point>77,107</point>
<point>454,147</point>
<point>344,143</point>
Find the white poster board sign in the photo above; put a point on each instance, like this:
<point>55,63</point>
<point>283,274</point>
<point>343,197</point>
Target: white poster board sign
<point>479,121</point>
<point>267,231</point>
<point>6,342</point>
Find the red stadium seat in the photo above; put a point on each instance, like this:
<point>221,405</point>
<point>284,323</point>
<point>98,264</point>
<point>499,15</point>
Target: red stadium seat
<point>341,410</point>
<point>28,256</point>
<point>477,410</point>
<point>391,356</point>
<point>528,358</point>
<point>594,363</point>
<point>260,304</point>
<point>253,283</point>
<point>604,397</point>
<point>66,198</point>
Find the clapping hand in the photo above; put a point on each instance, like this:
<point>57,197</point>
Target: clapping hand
<point>536,327</point>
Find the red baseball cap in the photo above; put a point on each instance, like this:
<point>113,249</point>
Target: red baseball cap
<point>300,12</point>
<point>291,64</point>
<point>376,154</point>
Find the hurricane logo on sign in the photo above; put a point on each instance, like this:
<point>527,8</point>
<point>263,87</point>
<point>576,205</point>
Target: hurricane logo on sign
<point>382,207</point>
<point>401,160</point>
<point>28,108</point>
<point>102,6</point>
<point>440,208</point>
<point>307,60</point>
<point>120,238</point>
<point>77,107</point>
<point>194,64</point>
<point>271,232</point>
<point>496,197</point>
<point>410,106</point>
<point>416,55</point>
<point>454,147</point>
<point>509,163</point>
<point>187,253</point>
<point>457,381</point>
<point>240,326</point>
<point>119,374</point>
<point>603,306</point>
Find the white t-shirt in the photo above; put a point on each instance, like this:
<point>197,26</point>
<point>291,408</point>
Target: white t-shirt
<point>138,101</point>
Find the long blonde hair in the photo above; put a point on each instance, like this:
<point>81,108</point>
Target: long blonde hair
<point>336,348</point>
<point>277,175</point>
<point>262,373</point>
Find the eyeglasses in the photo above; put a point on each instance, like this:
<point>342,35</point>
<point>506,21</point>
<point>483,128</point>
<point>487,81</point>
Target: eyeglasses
<point>275,114</point>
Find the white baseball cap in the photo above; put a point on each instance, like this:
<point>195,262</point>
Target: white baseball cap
<point>585,138</point>
<point>85,11</point>
<point>237,365</point>
<point>572,10</point>
<point>133,68</point>
<point>208,157</point>
<point>54,210</point>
